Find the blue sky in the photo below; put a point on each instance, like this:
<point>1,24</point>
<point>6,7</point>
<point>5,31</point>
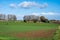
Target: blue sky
<point>48,8</point>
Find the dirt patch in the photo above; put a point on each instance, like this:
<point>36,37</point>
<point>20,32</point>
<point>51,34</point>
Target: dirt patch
<point>39,33</point>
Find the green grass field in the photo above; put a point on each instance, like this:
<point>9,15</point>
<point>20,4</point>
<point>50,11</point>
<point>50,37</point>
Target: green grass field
<point>7,27</point>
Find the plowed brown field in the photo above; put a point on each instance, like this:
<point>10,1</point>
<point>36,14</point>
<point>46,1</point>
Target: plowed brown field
<point>38,33</point>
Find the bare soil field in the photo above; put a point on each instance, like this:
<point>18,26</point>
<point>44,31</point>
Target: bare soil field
<point>38,33</point>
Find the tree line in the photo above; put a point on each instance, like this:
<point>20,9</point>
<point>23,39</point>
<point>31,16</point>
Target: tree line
<point>8,17</point>
<point>26,18</point>
<point>35,18</point>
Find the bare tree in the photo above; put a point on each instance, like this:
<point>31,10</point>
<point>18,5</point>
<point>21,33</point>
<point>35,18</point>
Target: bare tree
<point>31,18</point>
<point>2,17</point>
<point>11,17</point>
<point>26,18</point>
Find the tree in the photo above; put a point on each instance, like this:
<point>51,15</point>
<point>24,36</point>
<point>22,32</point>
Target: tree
<point>2,17</point>
<point>11,17</point>
<point>34,20</point>
<point>26,18</point>
<point>25,21</point>
<point>14,17</point>
<point>31,18</point>
<point>46,20</point>
<point>43,19</point>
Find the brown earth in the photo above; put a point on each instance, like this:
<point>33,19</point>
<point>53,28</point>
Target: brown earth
<point>40,33</point>
<point>37,33</point>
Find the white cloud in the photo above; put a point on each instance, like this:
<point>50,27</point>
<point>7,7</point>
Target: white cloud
<point>45,14</point>
<point>12,5</point>
<point>26,4</point>
<point>35,14</point>
<point>48,13</point>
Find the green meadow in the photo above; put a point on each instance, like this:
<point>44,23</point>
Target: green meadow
<point>19,26</point>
